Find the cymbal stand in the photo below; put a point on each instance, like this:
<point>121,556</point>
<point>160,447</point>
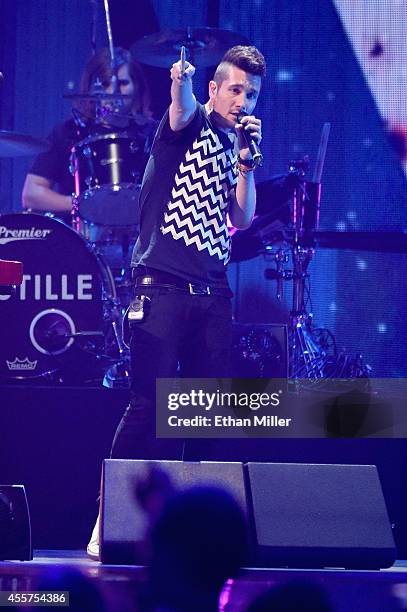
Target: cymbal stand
<point>115,82</point>
<point>104,111</point>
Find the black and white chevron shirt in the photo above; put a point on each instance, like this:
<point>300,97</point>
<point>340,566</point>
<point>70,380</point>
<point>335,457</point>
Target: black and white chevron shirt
<point>184,201</point>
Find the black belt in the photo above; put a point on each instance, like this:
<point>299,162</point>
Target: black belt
<point>166,280</point>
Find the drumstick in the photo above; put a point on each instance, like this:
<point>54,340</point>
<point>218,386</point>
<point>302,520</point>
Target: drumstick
<point>182,60</point>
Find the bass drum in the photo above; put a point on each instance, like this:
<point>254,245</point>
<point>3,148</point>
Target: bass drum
<point>55,325</point>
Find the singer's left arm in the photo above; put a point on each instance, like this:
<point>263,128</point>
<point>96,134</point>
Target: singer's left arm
<point>243,206</point>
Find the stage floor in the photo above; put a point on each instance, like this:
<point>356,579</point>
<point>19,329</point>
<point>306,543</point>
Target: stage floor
<point>384,590</point>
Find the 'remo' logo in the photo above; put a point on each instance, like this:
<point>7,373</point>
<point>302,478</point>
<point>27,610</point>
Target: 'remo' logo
<point>21,364</point>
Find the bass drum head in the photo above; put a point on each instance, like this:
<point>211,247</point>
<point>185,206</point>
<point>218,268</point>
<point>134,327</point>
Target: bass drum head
<point>55,322</point>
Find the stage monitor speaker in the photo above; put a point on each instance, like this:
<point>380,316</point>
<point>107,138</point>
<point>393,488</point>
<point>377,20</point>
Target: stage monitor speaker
<point>259,351</point>
<point>15,527</point>
<point>124,523</point>
<point>312,516</point>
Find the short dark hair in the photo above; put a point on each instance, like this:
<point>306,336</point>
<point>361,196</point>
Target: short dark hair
<point>244,57</point>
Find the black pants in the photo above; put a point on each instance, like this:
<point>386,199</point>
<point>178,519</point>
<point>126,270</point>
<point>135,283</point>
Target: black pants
<point>180,335</point>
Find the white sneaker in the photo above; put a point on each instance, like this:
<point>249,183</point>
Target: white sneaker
<point>93,547</point>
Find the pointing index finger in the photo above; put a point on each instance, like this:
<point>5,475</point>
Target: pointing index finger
<point>182,60</point>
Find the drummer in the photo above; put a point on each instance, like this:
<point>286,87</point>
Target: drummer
<point>49,184</point>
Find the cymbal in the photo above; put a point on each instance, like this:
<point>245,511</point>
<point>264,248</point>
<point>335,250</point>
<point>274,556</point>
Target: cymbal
<point>205,46</point>
<point>97,96</point>
<point>13,144</point>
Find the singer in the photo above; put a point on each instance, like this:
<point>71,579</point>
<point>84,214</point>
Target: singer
<point>200,169</point>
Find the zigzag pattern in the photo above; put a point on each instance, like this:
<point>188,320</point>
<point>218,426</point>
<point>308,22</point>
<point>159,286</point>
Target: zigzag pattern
<point>197,210</point>
<point>204,198</point>
<point>200,217</point>
<point>219,235</point>
<point>195,241</point>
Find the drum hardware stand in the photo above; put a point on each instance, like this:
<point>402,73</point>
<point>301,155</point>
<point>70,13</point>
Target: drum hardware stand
<point>307,358</point>
<point>312,351</point>
<point>118,375</point>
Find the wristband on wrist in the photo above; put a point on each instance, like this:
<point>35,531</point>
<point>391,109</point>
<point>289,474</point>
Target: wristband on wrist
<point>249,163</point>
<point>242,169</point>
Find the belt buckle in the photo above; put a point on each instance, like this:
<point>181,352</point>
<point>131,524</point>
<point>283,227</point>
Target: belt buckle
<point>198,289</point>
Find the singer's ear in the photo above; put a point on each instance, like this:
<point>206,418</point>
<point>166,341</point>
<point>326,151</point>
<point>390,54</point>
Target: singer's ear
<point>213,88</point>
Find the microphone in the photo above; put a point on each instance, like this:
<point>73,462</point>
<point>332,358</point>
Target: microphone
<point>251,143</point>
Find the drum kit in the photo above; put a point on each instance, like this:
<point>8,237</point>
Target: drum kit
<point>64,320</point>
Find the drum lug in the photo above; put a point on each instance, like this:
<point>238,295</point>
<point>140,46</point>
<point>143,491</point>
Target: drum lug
<point>75,207</point>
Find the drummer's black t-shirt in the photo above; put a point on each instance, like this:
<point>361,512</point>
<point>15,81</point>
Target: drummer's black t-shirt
<point>184,201</point>
<point>54,163</point>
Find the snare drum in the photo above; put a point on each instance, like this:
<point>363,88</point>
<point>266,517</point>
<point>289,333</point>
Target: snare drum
<point>107,170</point>
<point>58,319</point>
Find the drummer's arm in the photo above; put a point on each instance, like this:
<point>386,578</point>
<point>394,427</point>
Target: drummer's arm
<point>183,101</point>
<point>39,195</point>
